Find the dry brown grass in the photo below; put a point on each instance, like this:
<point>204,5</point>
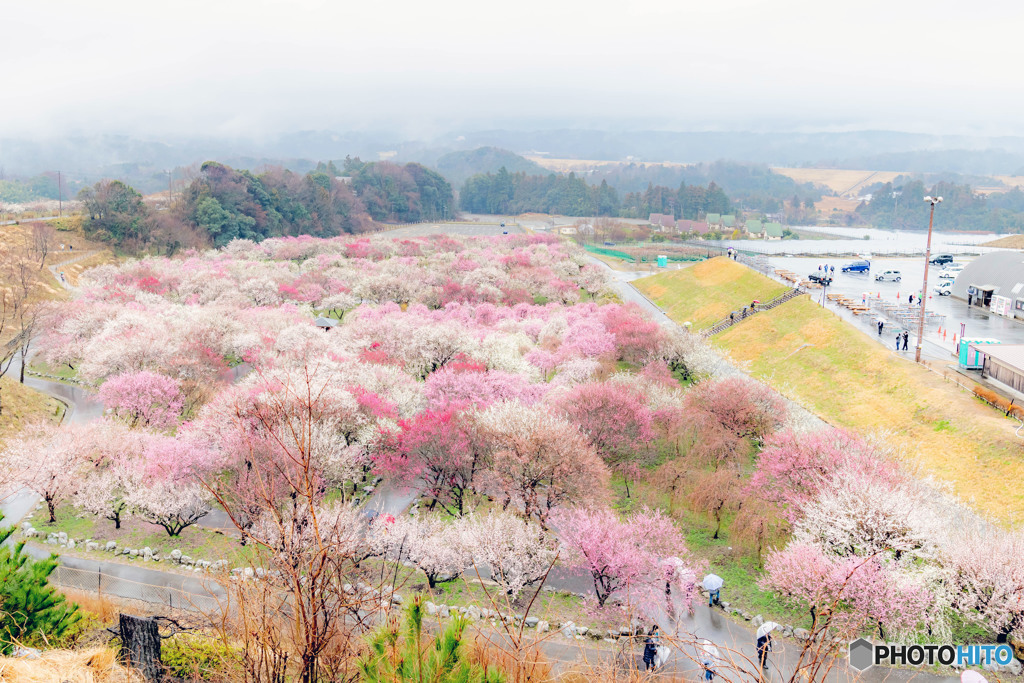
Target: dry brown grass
<point>95,665</point>
<point>827,205</point>
<point>1008,242</point>
<point>837,179</point>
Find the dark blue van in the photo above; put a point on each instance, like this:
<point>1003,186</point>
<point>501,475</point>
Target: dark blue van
<point>857,267</point>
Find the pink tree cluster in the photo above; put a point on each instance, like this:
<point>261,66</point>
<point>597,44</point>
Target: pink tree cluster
<point>143,398</point>
<point>854,592</point>
<point>624,555</point>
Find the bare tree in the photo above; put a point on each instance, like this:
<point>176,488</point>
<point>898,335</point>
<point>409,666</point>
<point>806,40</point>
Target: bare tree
<point>42,241</point>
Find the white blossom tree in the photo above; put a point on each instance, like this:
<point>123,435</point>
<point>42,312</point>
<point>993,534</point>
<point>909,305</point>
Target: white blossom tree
<point>518,552</point>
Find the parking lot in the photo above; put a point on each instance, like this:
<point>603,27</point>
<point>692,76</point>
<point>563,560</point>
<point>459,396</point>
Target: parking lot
<point>978,323</point>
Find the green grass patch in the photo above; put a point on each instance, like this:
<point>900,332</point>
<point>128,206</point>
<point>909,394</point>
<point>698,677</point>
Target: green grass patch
<point>813,356</point>
<point>23,404</point>
<point>199,543</point>
<point>63,372</point>
<point>707,292</point>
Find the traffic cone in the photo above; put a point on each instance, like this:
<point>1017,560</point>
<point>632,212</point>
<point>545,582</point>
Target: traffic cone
<point>879,295</point>
<point>943,335</point>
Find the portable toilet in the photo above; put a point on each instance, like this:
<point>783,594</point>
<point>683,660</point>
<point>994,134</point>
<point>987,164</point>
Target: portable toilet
<point>971,359</point>
<point>662,260</point>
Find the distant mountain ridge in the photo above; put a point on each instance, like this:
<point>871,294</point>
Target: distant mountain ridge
<point>457,167</point>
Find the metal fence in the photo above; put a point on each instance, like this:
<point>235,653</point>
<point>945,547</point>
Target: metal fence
<point>208,598</point>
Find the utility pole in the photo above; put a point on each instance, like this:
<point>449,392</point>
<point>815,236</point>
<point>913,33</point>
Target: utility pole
<point>60,198</point>
<point>924,287</point>
<point>170,196</point>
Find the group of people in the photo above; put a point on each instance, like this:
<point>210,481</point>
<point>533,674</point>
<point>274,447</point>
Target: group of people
<point>828,270</point>
<point>731,253</point>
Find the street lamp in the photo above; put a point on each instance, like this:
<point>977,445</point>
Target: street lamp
<point>924,288</point>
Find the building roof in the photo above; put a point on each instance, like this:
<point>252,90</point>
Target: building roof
<point>1007,354</point>
<point>753,226</point>
<point>773,229</point>
<point>1003,271</point>
<point>713,218</point>
<point>729,221</point>
<point>654,218</point>
<point>325,322</point>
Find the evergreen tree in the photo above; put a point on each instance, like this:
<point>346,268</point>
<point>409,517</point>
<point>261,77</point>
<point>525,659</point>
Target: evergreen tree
<point>398,654</point>
<point>31,610</point>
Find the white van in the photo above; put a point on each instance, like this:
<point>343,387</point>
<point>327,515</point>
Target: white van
<point>889,276</point>
<point>944,288</point>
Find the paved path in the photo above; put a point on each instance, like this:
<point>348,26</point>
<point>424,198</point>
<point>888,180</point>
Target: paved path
<point>56,266</point>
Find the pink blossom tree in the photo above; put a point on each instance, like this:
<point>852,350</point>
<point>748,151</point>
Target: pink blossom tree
<point>746,408</point>
<point>517,552</point>
<point>614,417</point>
<point>48,461</point>
<point>173,505</point>
<point>793,468</point>
<point>143,398</point>
<point>441,453</point>
<point>540,461</point>
<point>850,593</point>
<point>621,555</point>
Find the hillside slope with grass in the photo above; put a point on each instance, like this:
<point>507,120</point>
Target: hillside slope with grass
<point>707,292</point>
<point>816,358</point>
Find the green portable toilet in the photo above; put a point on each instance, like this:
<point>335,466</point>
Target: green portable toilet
<point>662,260</point>
<point>971,359</point>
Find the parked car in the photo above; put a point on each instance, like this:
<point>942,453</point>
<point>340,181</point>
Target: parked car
<point>944,288</point>
<point>823,280</point>
<point>889,276</point>
<point>953,267</point>
<point>857,267</point>
<point>940,259</point>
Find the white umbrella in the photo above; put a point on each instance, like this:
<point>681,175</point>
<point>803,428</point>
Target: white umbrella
<point>711,651</point>
<point>712,582</point>
<point>765,628</point>
<point>972,677</point>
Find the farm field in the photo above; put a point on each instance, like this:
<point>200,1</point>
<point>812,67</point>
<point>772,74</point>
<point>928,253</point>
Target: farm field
<point>707,292</point>
<point>1008,242</point>
<point>816,358</point>
<point>840,180</point>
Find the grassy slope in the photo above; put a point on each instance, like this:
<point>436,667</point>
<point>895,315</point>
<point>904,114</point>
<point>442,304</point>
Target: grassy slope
<point>21,404</point>
<point>706,292</point>
<point>1010,242</point>
<point>852,382</point>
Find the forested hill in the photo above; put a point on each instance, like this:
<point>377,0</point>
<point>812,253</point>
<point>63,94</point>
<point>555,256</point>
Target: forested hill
<point>224,203</point>
<point>962,208</point>
<point>513,193</point>
<point>458,167</point>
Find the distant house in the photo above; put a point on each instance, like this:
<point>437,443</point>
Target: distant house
<point>325,324</point>
<point>755,228</point>
<point>344,179</point>
<point>585,229</point>
<point>695,227</point>
<point>567,230</point>
<point>654,219</point>
<point>714,220</point>
<point>729,221</point>
<point>773,231</point>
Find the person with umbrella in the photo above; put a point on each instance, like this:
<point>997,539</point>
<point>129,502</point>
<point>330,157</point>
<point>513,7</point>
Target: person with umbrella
<point>708,656</point>
<point>651,648</point>
<point>764,642</point>
<point>713,583</point>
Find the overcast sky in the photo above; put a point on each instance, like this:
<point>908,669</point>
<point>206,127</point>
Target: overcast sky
<point>229,67</point>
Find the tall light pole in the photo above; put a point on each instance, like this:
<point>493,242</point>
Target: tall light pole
<point>924,288</point>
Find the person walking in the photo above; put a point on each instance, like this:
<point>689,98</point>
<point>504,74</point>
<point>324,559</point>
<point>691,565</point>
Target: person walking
<point>650,648</point>
<point>833,270</point>
<point>906,336</point>
<point>881,324</point>
<point>898,338</point>
<point>764,646</point>
<point>911,300</point>
<point>709,653</point>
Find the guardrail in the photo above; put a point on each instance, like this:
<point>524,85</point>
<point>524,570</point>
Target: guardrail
<point>115,586</point>
<point>726,323</point>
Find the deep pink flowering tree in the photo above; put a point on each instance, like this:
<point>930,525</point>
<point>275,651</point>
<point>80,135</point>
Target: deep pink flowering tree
<point>746,408</point>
